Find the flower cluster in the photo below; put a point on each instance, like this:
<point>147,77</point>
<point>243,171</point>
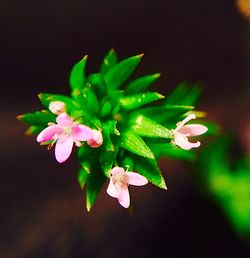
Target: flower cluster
<point>111,123</point>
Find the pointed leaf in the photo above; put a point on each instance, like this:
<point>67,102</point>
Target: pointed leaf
<point>34,129</point>
<point>144,126</point>
<point>106,108</point>
<point>82,177</point>
<point>38,118</point>
<point>138,100</point>
<point>149,169</point>
<point>128,162</point>
<point>141,84</point>
<point>161,114</point>
<point>185,94</point>
<point>169,150</point>
<point>87,100</point>
<point>87,156</point>
<point>109,153</point>
<point>98,84</point>
<point>109,61</point>
<point>77,75</point>
<point>95,182</point>
<point>117,75</point>
<point>134,143</point>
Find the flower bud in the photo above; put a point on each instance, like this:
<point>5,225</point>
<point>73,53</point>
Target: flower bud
<point>57,107</point>
<point>96,139</point>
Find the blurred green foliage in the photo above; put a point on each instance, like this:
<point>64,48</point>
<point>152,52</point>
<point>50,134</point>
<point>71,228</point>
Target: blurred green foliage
<point>227,178</point>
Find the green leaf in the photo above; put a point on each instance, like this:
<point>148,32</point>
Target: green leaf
<point>109,61</point>
<point>141,84</point>
<point>38,118</point>
<point>138,100</point>
<point>144,126</point>
<point>77,75</point>
<point>149,169</point>
<point>128,161</point>
<point>110,127</point>
<point>98,84</point>
<point>118,74</point>
<point>82,177</point>
<point>85,152</point>
<point>106,108</point>
<point>213,129</point>
<point>96,180</point>
<point>163,113</point>
<point>87,100</point>
<point>171,151</point>
<point>34,129</point>
<point>135,144</point>
<point>87,157</point>
<point>109,151</point>
<point>46,98</point>
<point>185,94</point>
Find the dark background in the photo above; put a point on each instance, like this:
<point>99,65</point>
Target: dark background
<point>42,208</point>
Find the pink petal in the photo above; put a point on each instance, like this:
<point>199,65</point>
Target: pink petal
<point>63,148</point>
<point>193,129</point>
<point>188,118</point>
<point>81,133</point>
<point>182,141</point>
<point>123,197</point>
<point>116,171</point>
<point>136,179</point>
<point>48,133</point>
<point>64,120</point>
<point>111,190</point>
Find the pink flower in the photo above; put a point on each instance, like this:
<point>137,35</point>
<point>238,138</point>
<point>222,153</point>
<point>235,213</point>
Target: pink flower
<point>182,132</point>
<point>65,133</point>
<point>57,107</point>
<point>119,181</point>
<point>96,139</point>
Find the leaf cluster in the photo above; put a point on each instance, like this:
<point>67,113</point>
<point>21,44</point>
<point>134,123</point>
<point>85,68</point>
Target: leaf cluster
<point>135,122</point>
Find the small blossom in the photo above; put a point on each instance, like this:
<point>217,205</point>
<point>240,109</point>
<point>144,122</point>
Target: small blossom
<point>96,139</point>
<point>182,132</point>
<point>65,133</point>
<point>119,181</point>
<point>57,107</point>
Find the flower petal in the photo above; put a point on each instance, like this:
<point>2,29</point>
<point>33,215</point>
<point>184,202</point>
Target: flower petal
<point>48,133</point>
<point>63,148</point>
<point>136,179</point>
<point>112,190</point>
<point>96,139</point>
<point>193,129</point>
<point>182,141</point>
<point>81,133</point>
<point>188,118</point>
<point>64,120</point>
<point>57,107</point>
<point>116,171</point>
<point>123,197</point>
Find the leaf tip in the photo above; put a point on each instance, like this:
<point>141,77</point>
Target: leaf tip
<point>40,95</point>
<point>88,205</point>
<point>160,96</point>
<point>85,58</point>
<point>139,56</point>
<point>19,117</point>
<point>163,185</point>
<point>157,75</point>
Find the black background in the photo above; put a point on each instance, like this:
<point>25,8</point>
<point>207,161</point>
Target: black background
<point>42,207</point>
